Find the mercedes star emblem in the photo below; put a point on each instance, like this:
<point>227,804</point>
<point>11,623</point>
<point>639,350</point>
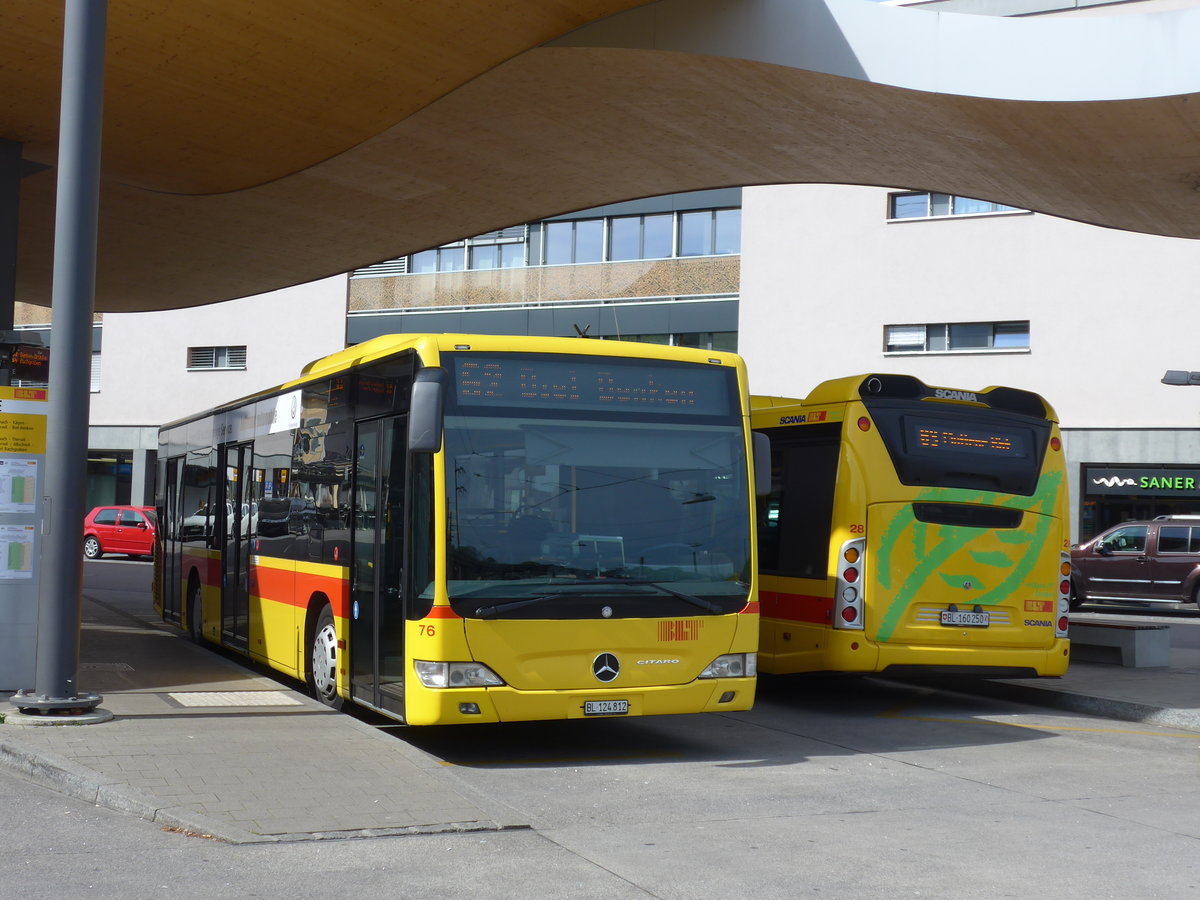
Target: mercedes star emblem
<point>605,667</point>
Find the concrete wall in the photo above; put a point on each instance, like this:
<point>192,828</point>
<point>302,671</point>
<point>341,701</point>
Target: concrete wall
<point>823,271</point>
<point>144,378</point>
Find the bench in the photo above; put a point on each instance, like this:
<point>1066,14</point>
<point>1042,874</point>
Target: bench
<point>1143,646</point>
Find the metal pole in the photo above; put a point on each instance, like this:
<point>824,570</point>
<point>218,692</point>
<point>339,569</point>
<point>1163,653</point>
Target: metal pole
<point>60,604</point>
<point>10,201</point>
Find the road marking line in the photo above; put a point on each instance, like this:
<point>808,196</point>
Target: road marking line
<point>889,715</point>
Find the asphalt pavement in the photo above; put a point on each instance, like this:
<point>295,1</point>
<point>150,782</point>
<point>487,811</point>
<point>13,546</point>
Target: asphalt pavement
<point>200,743</point>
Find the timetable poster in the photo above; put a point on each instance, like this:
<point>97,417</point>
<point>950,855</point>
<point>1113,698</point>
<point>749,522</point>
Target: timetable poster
<point>18,485</point>
<point>16,551</point>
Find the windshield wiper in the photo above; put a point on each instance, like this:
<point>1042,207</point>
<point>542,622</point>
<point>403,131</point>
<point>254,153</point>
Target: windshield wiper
<point>487,612</point>
<point>702,602</point>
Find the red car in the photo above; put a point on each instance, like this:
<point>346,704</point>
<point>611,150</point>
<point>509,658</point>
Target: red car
<point>119,529</point>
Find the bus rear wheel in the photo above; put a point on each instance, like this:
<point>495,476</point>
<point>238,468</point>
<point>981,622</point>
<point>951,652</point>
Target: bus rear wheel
<point>323,660</point>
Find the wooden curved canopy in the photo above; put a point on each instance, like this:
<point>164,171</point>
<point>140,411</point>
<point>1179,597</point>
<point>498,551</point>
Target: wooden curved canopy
<point>252,146</point>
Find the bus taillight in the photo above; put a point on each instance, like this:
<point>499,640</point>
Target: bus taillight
<point>848,600</point>
<point>1064,596</point>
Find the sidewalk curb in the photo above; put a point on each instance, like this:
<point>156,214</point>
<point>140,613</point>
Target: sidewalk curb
<point>1058,698</point>
<point>66,777</point>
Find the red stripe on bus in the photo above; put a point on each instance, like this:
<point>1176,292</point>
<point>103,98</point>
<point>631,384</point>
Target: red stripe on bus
<point>750,608</point>
<point>442,612</point>
<point>796,607</point>
<point>291,588</point>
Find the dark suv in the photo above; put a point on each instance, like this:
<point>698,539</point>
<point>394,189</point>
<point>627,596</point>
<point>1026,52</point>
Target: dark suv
<point>1154,561</point>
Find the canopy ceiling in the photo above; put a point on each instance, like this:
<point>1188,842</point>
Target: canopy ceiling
<point>252,146</point>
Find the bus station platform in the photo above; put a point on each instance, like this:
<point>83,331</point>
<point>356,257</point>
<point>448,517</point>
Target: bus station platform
<point>202,744</point>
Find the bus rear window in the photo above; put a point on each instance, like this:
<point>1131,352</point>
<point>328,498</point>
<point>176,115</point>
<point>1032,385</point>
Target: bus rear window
<point>962,447</point>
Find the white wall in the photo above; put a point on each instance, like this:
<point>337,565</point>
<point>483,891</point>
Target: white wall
<point>144,378</point>
<point>1109,311</point>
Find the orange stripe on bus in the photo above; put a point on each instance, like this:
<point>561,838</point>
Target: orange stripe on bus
<point>796,607</point>
<point>442,612</point>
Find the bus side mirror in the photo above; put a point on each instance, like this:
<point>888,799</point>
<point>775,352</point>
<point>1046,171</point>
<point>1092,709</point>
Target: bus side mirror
<point>425,411</point>
<point>762,463</point>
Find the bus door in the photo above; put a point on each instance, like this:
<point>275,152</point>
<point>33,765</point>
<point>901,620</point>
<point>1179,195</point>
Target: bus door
<point>376,599</point>
<point>168,540</point>
<point>233,526</point>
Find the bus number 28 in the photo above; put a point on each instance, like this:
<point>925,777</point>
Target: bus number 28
<point>858,529</point>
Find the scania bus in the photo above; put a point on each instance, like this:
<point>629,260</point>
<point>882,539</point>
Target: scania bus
<point>913,526</point>
<point>469,528</point>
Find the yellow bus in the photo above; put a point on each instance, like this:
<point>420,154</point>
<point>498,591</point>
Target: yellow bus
<point>913,526</point>
<point>470,528</point>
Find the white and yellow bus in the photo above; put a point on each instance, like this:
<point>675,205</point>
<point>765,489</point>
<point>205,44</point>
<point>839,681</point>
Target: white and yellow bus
<point>913,526</point>
<point>468,528</point>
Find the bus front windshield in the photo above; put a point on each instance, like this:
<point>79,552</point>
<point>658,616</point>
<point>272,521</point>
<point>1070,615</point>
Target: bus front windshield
<point>586,516</point>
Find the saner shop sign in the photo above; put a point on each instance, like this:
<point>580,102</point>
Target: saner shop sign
<point>1160,482</point>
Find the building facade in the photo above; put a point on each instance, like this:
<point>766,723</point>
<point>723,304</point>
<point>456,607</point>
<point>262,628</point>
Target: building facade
<point>807,282</point>
<point>838,280</point>
<point>663,269</point>
<point>152,368</point>
<point>822,281</point>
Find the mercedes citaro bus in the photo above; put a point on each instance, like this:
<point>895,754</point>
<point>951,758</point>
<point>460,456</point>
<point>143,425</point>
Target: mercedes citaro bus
<point>470,528</point>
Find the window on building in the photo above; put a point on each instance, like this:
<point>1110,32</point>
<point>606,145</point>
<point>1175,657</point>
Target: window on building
<point>928,205</point>
<point>702,340</point>
<point>575,241</point>
<point>485,256</point>
<point>452,258</point>
<point>640,237</point>
<point>216,357</point>
<point>424,262</point>
<point>707,232</point>
<point>948,337</point>
<point>589,241</point>
<point>511,255</point>
<point>710,232</point>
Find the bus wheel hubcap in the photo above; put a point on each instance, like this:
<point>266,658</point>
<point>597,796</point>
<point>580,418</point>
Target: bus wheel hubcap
<point>324,660</point>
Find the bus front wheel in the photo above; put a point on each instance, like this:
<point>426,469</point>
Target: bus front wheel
<point>323,660</point>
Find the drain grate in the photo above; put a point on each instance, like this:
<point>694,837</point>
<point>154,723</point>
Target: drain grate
<point>235,698</point>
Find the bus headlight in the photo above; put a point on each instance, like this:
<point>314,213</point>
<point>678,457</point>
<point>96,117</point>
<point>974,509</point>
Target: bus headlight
<point>455,674</point>
<point>732,665</point>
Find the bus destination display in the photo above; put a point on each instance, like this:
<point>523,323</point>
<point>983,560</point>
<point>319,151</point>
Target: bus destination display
<point>933,437</point>
<point>593,384</point>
